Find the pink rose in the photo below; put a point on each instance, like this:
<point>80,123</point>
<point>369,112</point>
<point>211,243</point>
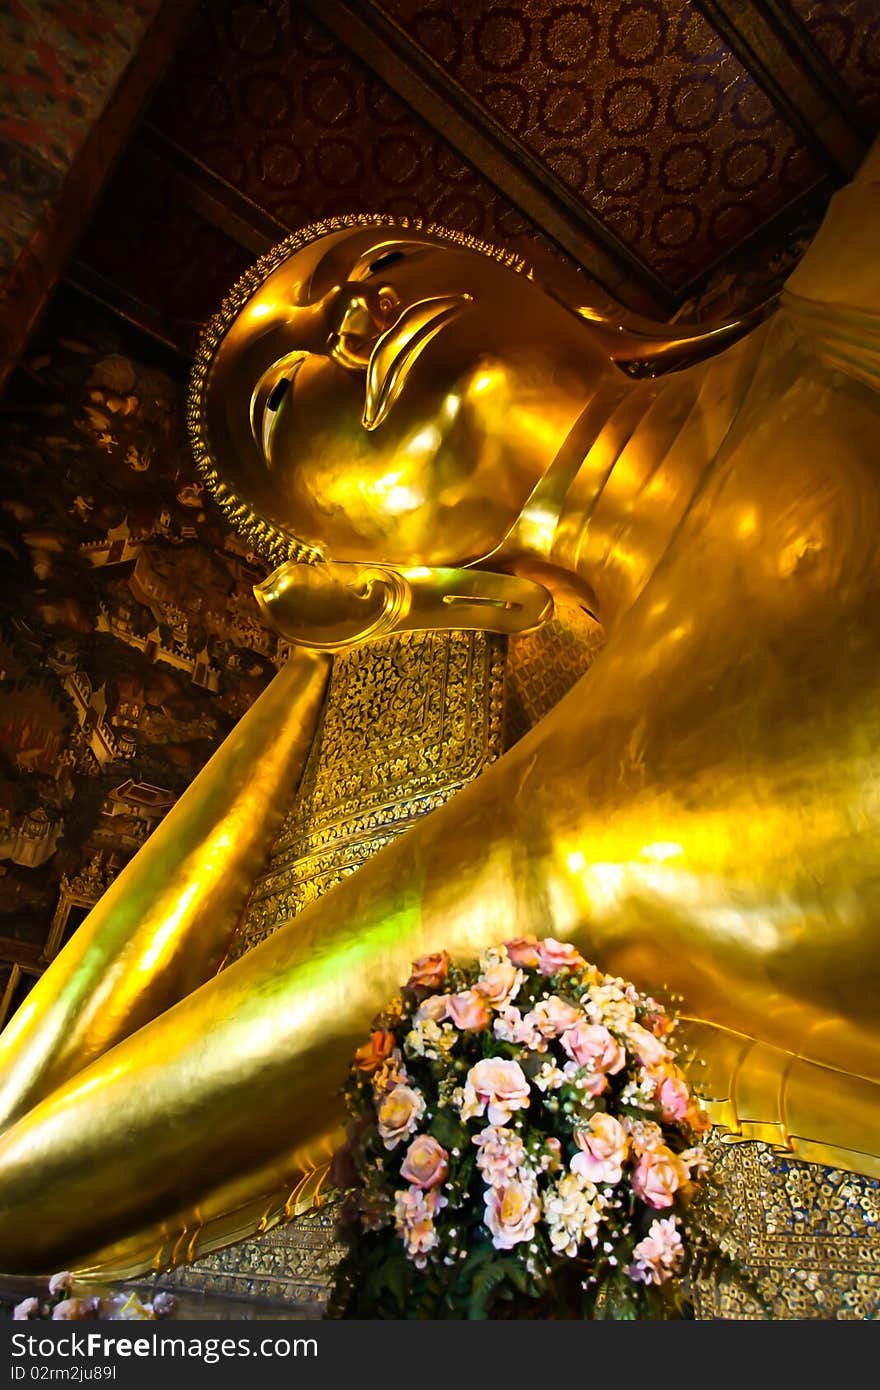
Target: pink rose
<point>649,1050</point>
<point>522,951</point>
<point>552,1017</point>
<point>591,1045</point>
<point>434,1008</point>
<point>672,1093</point>
<point>426,1163</point>
<point>497,1086</point>
<point>27,1309</point>
<point>468,1010</point>
<point>557,955</point>
<point>659,1255</point>
<point>399,1114</point>
<point>500,983</point>
<point>603,1146</point>
<point>429,971</point>
<point>511,1213</point>
<point>658,1175</point>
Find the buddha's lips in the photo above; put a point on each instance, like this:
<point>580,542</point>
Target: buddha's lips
<point>400,347</point>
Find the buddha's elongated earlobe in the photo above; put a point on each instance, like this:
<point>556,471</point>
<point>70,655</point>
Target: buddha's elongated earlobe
<point>329,607</point>
<point>642,347</point>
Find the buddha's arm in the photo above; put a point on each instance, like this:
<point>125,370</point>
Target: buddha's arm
<point>163,927</point>
<point>698,812</point>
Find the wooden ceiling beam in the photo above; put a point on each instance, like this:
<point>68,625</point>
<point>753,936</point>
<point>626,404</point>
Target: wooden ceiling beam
<point>211,198</point>
<point>518,175</point>
<point>208,194</point>
<point>13,952</point>
<point>776,49</point>
<point>176,338</point>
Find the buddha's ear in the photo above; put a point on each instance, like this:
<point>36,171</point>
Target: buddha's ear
<point>640,346</point>
<point>329,607</point>
<point>644,347</point>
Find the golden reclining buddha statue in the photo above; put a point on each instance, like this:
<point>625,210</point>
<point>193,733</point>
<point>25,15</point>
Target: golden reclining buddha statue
<point>424,436</point>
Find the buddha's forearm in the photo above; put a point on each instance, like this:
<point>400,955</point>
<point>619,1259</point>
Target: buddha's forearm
<point>163,927</point>
<point>665,858</point>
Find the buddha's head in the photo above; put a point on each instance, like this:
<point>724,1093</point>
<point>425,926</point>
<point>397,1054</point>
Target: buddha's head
<point>382,393</point>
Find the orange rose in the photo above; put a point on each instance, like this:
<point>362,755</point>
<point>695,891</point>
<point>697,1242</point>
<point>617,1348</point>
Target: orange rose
<point>429,971</point>
<point>374,1052</point>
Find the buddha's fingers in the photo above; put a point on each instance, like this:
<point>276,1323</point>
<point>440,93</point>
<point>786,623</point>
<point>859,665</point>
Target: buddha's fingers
<point>261,1199</point>
<point>164,926</point>
<point>754,1091</point>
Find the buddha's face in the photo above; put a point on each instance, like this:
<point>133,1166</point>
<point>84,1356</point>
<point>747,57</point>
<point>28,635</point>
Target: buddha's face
<point>397,399</point>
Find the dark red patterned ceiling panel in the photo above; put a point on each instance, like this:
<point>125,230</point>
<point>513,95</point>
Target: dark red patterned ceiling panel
<point>143,239</point>
<point>266,97</point>
<point>848,34</point>
<point>636,105</point>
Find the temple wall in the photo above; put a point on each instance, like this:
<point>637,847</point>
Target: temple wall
<point>130,641</point>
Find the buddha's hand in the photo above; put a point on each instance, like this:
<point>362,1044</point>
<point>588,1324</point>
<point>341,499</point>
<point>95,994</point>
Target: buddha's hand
<point>329,606</point>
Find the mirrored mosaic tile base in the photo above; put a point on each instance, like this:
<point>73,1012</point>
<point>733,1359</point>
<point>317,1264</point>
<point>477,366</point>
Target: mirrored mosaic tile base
<point>808,1239</point>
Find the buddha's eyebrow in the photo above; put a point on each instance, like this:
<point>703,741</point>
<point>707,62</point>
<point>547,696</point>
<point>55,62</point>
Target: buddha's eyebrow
<point>384,261</point>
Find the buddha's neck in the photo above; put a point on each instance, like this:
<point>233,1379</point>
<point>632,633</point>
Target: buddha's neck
<point>645,449</point>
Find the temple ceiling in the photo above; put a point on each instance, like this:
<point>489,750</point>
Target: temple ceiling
<point>678,151</point>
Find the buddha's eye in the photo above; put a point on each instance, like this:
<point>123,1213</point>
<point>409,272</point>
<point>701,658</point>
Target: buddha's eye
<point>387,302</point>
<point>384,261</point>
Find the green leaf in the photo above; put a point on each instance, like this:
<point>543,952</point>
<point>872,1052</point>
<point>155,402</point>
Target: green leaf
<point>487,1286</point>
<point>447,1130</point>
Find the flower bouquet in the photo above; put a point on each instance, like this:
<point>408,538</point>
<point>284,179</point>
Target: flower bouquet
<point>523,1144</point>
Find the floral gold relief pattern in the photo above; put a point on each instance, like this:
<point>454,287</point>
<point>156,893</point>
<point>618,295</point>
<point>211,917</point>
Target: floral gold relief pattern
<point>408,720</point>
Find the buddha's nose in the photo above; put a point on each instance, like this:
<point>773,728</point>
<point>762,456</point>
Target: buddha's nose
<point>356,317</point>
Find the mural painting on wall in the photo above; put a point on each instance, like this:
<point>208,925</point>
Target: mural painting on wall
<point>130,641</point>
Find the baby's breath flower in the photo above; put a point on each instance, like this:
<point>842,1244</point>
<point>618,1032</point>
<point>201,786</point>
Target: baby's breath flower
<point>550,1077</point>
<point>430,1039</point>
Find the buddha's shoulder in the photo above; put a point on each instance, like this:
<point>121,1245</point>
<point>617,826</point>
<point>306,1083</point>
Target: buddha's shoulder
<point>834,294</point>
